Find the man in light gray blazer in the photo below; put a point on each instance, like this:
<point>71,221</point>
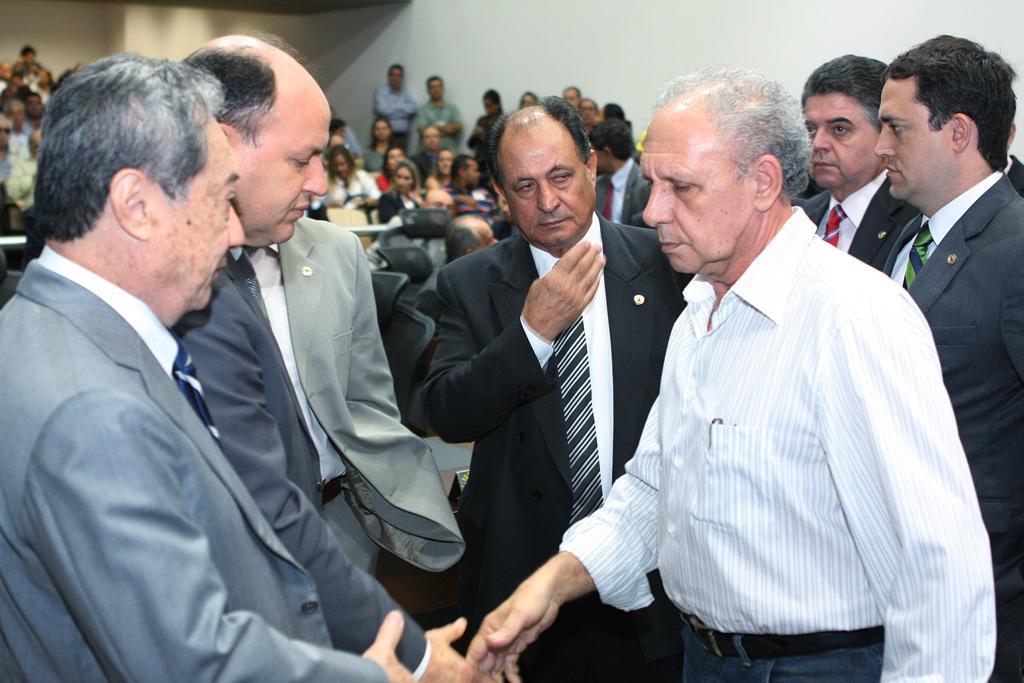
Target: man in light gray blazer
<point>129,548</point>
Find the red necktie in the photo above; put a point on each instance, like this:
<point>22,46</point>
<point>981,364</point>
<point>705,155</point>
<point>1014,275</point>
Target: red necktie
<point>609,198</point>
<point>835,217</point>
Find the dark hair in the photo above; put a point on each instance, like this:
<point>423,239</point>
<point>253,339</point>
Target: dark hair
<point>493,96</point>
<point>572,87</point>
<point>614,111</point>
<point>528,93</point>
<point>555,107</point>
<point>384,166</point>
<point>339,150</point>
<point>373,140</point>
<point>27,49</point>
<point>850,75</point>
<point>249,87</point>
<point>955,75</point>
<point>458,240</point>
<point>335,125</point>
<point>614,135</point>
<point>396,66</point>
<point>459,163</point>
<point>123,111</point>
<point>434,78</point>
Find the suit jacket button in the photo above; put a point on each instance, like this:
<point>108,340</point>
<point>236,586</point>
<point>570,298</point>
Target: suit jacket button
<point>536,495</point>
<point>520,437</point>
<point>310,607</point>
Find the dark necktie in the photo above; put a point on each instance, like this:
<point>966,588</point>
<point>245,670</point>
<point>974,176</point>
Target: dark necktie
<point>251,281</point>
<point>581,434</point>
<point>185,376</point>
<point>918,254</point>
<point>609,201</point>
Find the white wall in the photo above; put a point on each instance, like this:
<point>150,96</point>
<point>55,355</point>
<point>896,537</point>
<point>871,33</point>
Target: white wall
<point>614,51</point>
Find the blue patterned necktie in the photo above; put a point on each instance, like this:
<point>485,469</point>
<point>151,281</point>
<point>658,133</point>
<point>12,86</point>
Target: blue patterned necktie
<point>581,433</point>
<point>185,376</point>
<point>251,281</point>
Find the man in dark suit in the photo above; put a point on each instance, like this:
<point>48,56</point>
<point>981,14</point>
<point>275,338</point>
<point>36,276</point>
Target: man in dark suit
<point>380,482</point>
<point>1014,170</point>
<point>520,357</point>
<point>947,105</point>
<point>856,213</point>
<point>622,191</point>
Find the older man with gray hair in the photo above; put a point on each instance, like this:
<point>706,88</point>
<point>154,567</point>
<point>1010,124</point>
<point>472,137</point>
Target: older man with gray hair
<point>129,548</point>
<point>813,518</point>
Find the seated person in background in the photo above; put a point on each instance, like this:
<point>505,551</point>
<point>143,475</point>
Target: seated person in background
<point>527,99</point>
<point>466,192</point>
<point>391,159</point>
<point>614,111</point>
<point>463,236</point>
<point>426,158</point>
<point>380,143</point>
<point>438,199</point>
<point>348,186</point>
<point>622,191</point>
<point>442,173</point>
<point>341,134</point>
<point>22,184</point>
<point>404,192</point>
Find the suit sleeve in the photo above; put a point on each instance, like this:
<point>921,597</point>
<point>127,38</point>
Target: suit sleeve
<point>475,382</point>
<point>229,366</point>
<point>111,507</point>
<point>406,495</point>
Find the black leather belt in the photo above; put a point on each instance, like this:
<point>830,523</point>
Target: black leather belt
<point>770,647</point>
<point>330,490</point>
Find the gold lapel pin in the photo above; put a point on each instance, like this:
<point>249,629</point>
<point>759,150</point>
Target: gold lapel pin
<point>307,271</point>
<point>882,235</point>
<point>951,259</point>
<point>639,299</point>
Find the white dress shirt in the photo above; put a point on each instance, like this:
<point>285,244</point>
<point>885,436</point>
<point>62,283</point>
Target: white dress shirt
<point>135,312</point>
<point>942,222</point>
<point>854,206</point>
<point>802,471</point>
<point>599,355</point>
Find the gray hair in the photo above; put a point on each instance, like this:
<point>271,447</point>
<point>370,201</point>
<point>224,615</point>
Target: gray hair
<point>123,111</point>
<point>754,115</point>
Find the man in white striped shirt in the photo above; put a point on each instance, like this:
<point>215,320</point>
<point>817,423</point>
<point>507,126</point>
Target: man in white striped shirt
<point>800,481</point>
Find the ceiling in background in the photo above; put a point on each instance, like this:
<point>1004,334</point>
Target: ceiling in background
<point>273,6</point>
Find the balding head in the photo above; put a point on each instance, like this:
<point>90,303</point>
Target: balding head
<point>276,119</point>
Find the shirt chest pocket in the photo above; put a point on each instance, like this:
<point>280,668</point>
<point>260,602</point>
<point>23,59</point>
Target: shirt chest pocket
<point>748,474</point>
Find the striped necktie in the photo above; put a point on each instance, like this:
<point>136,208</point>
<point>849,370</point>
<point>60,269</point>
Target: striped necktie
<point>918,254</point>
<point>835,219</point>
<point>185,375</point>
<point>581,434</point>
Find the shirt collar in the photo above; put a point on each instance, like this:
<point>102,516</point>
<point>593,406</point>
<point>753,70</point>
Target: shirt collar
<point>766,283</point>
<point>945,218</point>
<point>856,205</point>
<point>545,261</point>
<point>135,312</point>
<point>620,177</point>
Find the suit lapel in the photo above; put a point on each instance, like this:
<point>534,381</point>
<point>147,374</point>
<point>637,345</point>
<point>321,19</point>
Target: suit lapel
<point>303,279</point>
<point>123,346</point>
<point>508,297</point>
<point>631,330</point>
<point>876,226</point>
<point>952,253</point>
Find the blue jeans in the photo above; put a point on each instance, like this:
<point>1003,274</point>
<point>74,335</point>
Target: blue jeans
<point>853,665</point>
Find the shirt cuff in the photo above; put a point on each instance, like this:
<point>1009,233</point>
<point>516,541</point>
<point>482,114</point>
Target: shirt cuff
<point>542,348</point>
<point>617,583</point>
<point>422,668</point>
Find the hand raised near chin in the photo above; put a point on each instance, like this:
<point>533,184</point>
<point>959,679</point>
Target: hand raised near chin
<point>557,299</point>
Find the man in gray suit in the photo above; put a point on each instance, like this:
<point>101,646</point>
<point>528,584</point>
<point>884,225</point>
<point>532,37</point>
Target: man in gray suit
<point>291,359</point>
<point>129,548</point>
<point>622,191</point>
<point>947,106</point>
